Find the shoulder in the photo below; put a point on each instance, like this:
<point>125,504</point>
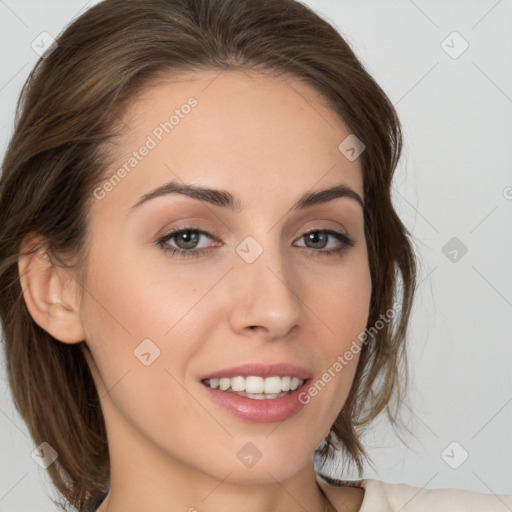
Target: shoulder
<point>412,498</point>
<point>381,496</point>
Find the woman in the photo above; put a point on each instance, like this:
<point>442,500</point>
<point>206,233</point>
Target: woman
<point>200,259</point>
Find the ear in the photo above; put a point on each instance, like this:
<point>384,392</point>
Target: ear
<point>50,292</point>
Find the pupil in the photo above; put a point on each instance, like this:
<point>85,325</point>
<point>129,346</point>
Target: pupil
<point>314,237</point>
<point>189,240</point>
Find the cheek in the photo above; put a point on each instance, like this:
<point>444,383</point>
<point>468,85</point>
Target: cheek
<point>343,308</point>
<point>141,325</point>
<point>343,302</point>
<point>142,341</point>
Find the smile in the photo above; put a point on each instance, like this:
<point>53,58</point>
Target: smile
<point>256,387</point>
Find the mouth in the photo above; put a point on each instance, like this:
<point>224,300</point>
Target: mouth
<point>257,392</point>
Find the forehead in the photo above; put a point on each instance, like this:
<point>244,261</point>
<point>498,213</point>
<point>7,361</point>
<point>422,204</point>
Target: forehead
<point>234,130</point>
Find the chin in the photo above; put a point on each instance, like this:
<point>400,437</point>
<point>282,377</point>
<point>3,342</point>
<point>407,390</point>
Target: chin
<point>259,461</point>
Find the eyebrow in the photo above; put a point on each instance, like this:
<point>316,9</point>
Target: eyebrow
<point>225,199</point>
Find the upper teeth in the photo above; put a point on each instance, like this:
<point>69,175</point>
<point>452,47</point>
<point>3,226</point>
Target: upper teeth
<point>254,384</point>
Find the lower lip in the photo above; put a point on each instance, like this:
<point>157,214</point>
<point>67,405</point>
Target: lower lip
<point>258,411</point>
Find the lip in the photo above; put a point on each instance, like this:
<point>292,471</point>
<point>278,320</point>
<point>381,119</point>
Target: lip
<point>261,370</point>
<point>258,411</point>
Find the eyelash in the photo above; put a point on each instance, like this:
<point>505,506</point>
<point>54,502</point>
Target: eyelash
<point>347,242</point>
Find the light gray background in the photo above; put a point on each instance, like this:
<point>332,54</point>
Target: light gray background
<point>452,182</point>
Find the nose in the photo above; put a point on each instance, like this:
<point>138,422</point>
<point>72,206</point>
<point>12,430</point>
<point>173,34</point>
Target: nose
<point>266,300</point>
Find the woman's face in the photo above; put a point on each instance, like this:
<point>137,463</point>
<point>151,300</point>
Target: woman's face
<point>246,287</point>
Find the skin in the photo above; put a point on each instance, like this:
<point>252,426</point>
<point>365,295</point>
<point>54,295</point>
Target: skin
<point>267,141</point>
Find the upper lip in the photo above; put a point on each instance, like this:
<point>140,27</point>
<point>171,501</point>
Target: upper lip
<point>262,370</point>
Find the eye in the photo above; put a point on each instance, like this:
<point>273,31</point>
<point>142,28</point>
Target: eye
<point>318,240</point>
<point>187,242</point>
<point>186,239</point>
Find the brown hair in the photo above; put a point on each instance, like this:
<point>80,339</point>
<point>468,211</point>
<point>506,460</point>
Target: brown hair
<point>68,110</point>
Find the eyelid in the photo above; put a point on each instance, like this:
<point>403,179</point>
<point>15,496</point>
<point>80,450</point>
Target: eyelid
<point>184,228</point>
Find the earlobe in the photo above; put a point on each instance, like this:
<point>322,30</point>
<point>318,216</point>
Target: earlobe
<point>49,293</point>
